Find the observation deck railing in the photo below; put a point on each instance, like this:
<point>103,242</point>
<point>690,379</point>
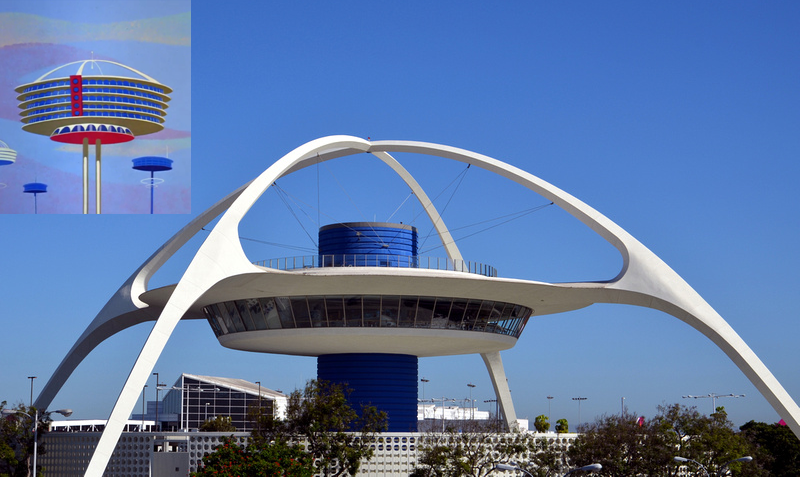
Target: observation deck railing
<point>395,261</point>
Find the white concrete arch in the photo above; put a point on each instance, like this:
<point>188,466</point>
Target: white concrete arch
<point>126,309</point>
<point>644,279</point>
<point>220,256</point>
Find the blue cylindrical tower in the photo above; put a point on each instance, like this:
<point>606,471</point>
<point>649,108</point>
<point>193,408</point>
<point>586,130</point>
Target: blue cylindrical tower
<point>386,381</point>
<point>368,244</point>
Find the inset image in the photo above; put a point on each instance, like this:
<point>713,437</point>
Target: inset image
<point>96,111</point>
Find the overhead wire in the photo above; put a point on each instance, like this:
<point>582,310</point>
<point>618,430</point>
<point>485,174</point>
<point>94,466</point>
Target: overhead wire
<point>514,216</point>
<point>283,196</point>
<point>286,197</point>
<point>460,178</point>
<point>351,200</point>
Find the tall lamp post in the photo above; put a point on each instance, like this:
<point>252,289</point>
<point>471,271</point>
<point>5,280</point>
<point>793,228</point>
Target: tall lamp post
<point>143,401</point>
<point>35,418</point>
<point>746,458</point>
<point>424,380</point>
<point>471,405</point>
<point>579,399</point>
<point>684,460</point>
<point>496,408</point>
<point>589,467</point>
<point>714,397</point>
<point>434,410</point>
<point>158,388</point>
<point>549,415</point>
<point>513,466</point>
<point>31,378</point>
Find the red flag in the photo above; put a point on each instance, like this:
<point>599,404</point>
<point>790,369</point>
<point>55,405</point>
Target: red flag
<point>781,422</point>
<point>640,421</point>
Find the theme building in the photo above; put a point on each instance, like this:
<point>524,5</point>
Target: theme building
<point>373,302</point>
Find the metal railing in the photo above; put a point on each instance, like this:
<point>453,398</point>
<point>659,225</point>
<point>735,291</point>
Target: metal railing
<point>396,261</point>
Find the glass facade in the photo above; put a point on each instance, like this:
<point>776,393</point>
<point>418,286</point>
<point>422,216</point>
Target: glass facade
<point>194,401</point>
<point>370,311</point>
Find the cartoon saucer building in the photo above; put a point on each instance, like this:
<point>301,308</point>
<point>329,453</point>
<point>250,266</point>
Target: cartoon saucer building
<point>89,107</point>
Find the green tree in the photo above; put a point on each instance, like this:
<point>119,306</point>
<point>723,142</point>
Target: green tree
<point>16,440</point>
<point>542,423</point>
<point>276,459</point>
<point>624,446</point>
<point>562,426</point>
<point>777,447</point>
<point>336,436</point>
<point>709,440</point>
<point>218,424</point>
<point>471,452</point>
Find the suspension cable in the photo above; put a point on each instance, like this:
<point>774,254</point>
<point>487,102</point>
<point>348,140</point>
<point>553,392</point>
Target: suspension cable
<point>283,196</point>
<point>514,216</point>
<point>460,178</point>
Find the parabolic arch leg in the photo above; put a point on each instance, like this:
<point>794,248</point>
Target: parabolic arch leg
<point>645,280</point>
<point>220,256</point>
<point>118,313</point>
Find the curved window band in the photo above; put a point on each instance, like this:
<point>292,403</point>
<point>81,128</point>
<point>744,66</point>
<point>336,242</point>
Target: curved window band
<point>371,311</point>
<point>98,114</point>
<point>52,84</point>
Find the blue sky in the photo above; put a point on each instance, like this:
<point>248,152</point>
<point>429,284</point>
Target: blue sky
<point>676,120</point>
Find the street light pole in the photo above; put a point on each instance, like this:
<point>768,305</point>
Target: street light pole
<point>471,405</point>
<point>684,460</point>
<point>549,415</point>
<point>157,426</point>
<point>143,398</point>
<point>511,467</point>
<point>579,399</point>
<point>714,397</point>
<point>496,408</point>
<point>31,378</point>
<point>424,380</point>
<point>746,458</point>
<point>35,418</point>
<point>585,468</point>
